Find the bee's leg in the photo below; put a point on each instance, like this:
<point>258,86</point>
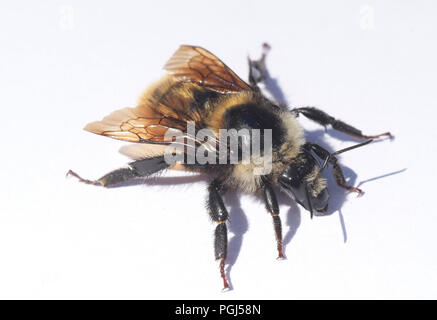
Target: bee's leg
<point>336,169</point>
<point>257,68</point>
<point>136,169</point>
<point>272,207</point>
<point>219,214</point>
<point>325,119</point>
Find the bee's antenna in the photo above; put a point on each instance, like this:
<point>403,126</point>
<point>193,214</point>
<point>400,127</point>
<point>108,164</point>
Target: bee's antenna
<point>352,147</point>
<point>344,150</point>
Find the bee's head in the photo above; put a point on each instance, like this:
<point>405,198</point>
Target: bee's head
<point>303,181</point>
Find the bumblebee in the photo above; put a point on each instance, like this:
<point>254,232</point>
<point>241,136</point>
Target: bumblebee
<point>199,88</point>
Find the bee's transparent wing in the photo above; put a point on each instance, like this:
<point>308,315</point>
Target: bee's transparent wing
<point>195,64</point>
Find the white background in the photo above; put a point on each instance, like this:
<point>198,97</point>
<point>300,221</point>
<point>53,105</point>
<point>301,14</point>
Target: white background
<point>66,63</point>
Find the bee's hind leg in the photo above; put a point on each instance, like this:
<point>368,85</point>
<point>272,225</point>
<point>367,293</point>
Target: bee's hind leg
<point>262,82</point>
<point>325,119</point>
<point>218,213</point>
<point>136,169</point>
<point>257,68</point>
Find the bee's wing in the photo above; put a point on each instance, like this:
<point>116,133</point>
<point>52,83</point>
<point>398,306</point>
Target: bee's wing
<point>161,118</point>
<point>129,124</point>
<point>139,151</point>
<point>150,121</point>
<point>195,64</point>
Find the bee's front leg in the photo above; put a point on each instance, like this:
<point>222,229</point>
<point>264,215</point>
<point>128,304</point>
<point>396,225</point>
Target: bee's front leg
<point>219,214</point>
<point>273,208</point>
<point>337,172</point>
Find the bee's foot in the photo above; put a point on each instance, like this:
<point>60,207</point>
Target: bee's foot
<point>74,174</point>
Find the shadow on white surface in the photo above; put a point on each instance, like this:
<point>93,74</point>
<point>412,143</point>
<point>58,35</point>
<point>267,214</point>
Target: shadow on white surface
<point>381,177</point>
<point>238,227</point>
